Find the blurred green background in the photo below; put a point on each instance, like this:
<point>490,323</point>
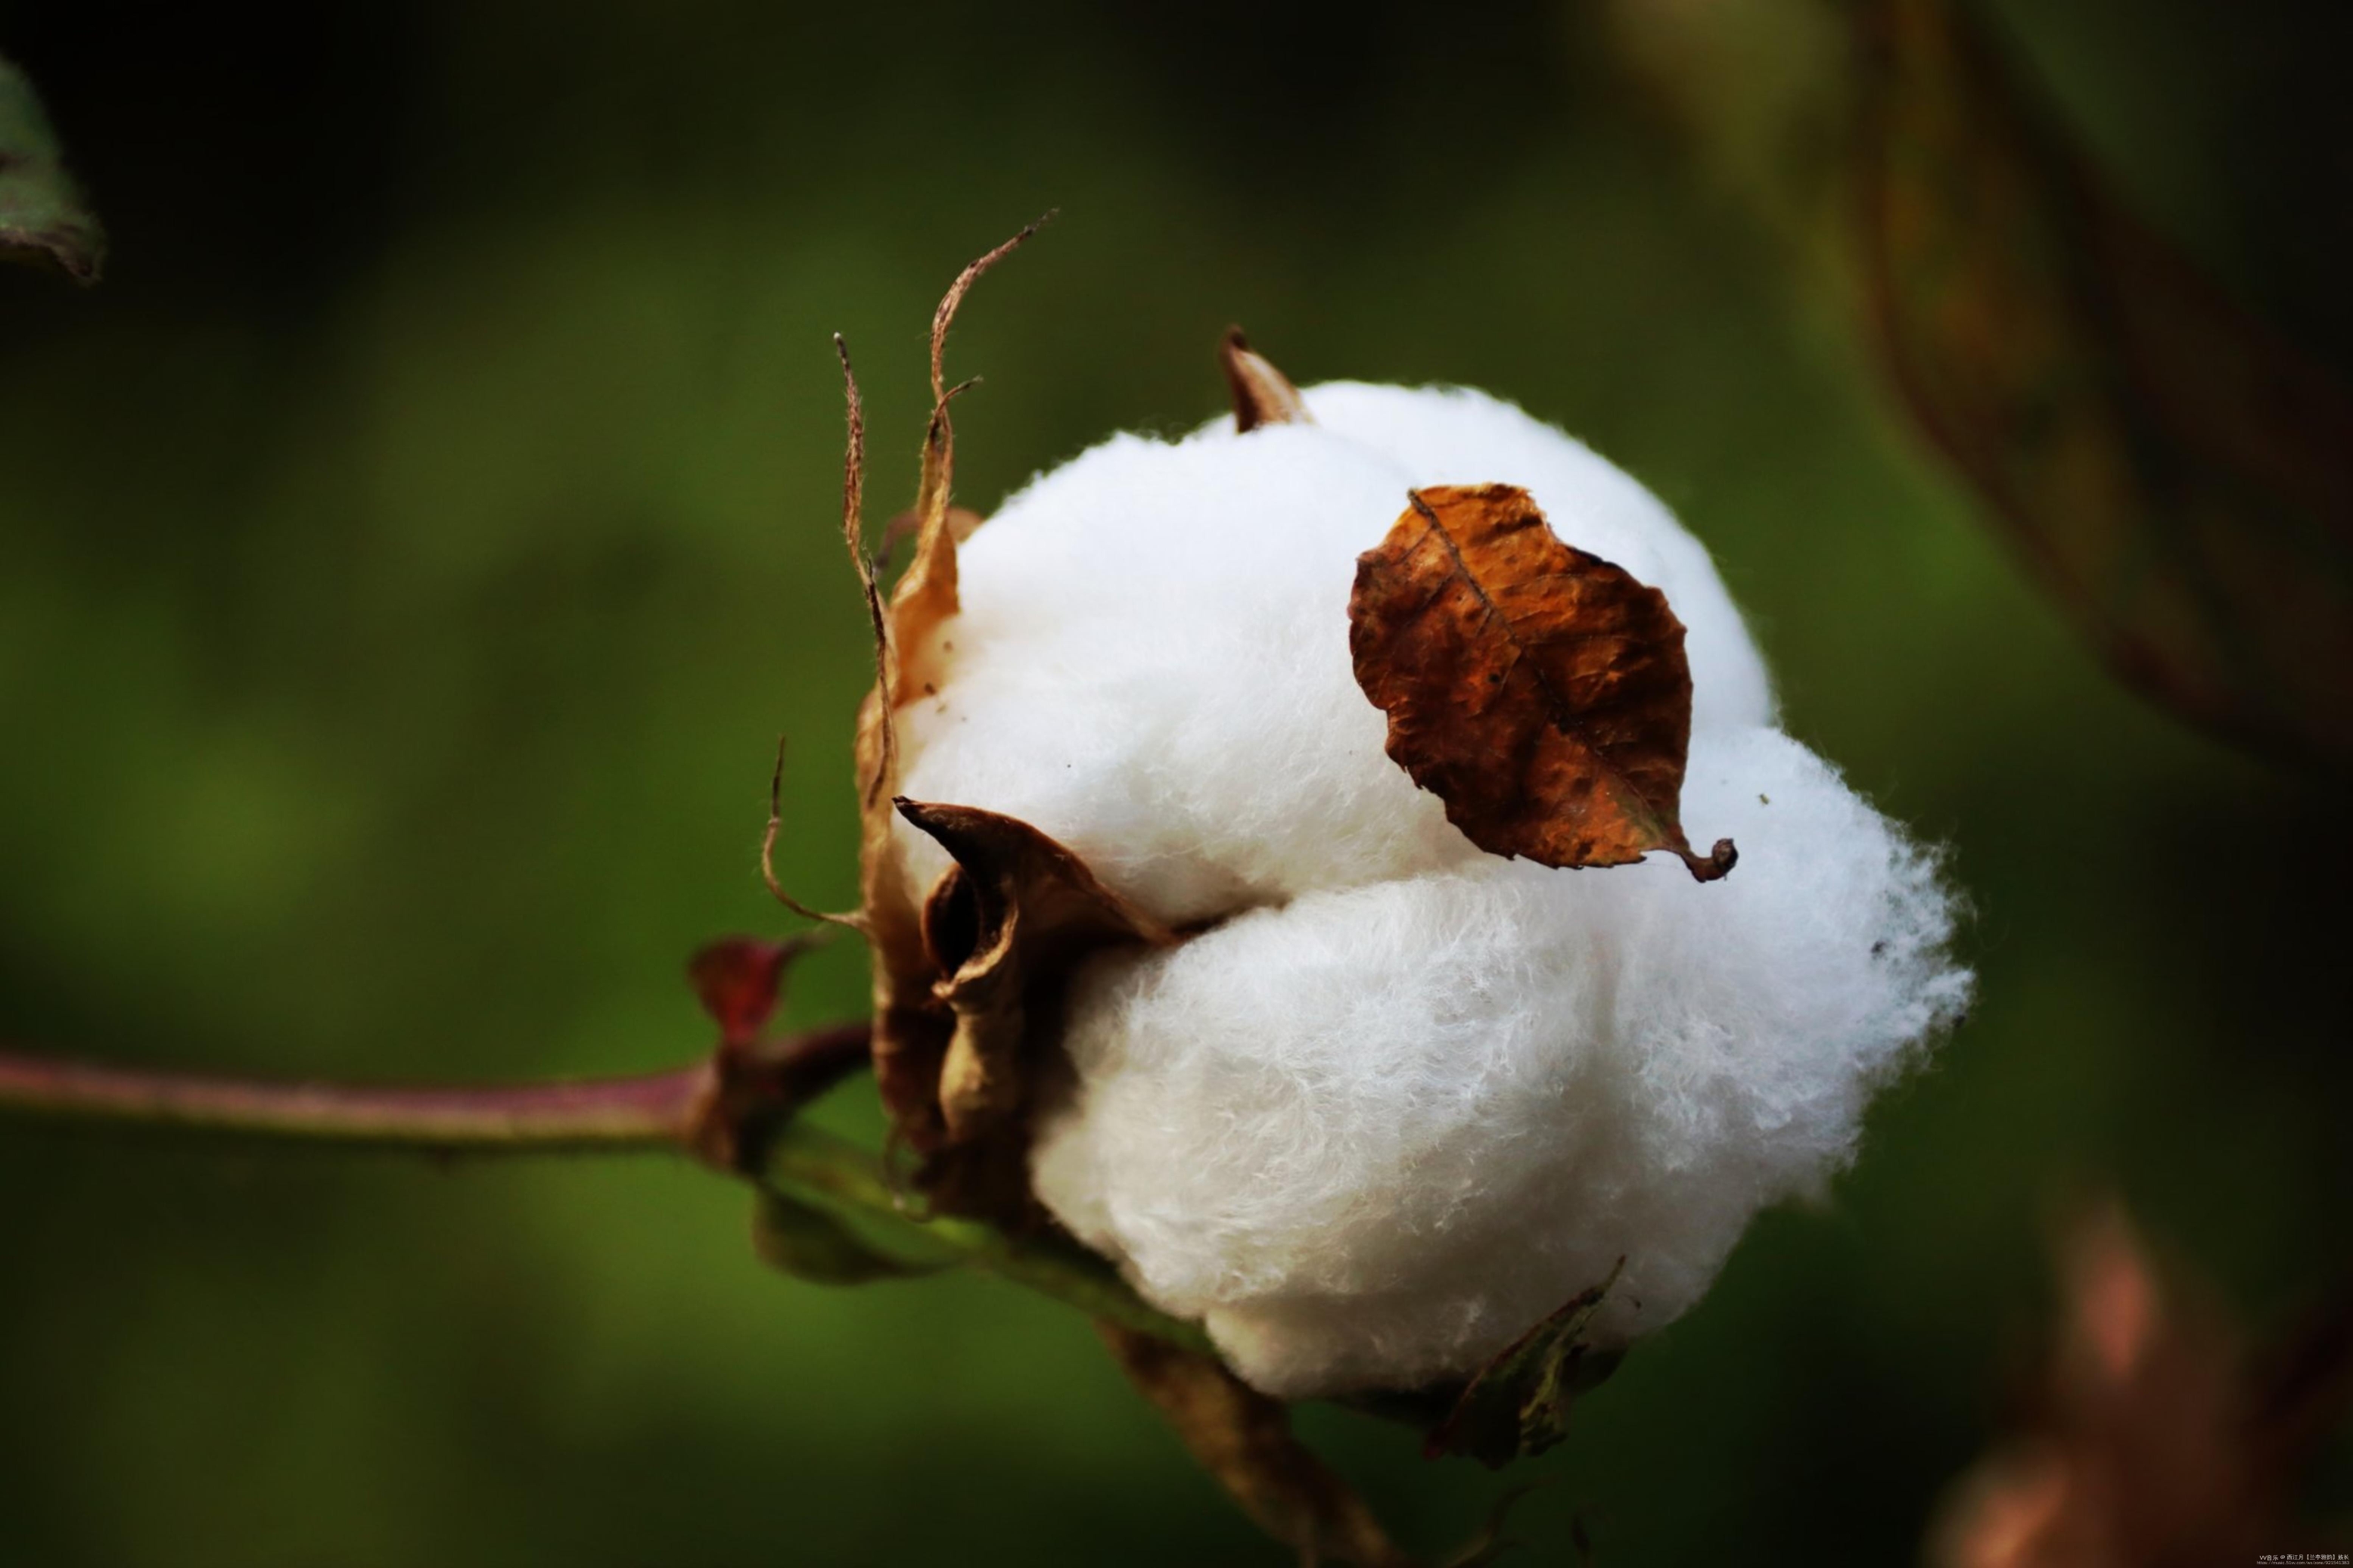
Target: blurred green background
<point>410,552</point>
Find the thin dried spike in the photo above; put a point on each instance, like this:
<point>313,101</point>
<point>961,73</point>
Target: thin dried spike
<point>768,853</point>
<point>1262,393</point>
<point>954,298</point>
<point>940,409</point>
<point>939,439</point>
<point>939,457</point>
<point>853,473</point>
<point>853,533</point>
<point>927,592</point>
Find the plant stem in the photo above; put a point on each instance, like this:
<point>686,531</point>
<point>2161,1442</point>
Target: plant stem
<point>649,1111</point>
<point>661,1111</point>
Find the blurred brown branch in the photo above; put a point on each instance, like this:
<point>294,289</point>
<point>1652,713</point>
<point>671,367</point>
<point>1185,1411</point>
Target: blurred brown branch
<point>2152,1441</point>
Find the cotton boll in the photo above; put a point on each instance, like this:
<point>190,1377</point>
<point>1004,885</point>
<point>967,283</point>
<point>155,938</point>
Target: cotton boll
<point>1408,1096</point>
<point>1151,662</point>
<point>1373,1135</point>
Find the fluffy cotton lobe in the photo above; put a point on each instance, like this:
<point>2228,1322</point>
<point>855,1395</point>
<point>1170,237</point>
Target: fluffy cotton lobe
<point>1408,1097</point>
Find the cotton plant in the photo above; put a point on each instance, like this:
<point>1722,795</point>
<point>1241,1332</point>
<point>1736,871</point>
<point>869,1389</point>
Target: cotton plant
<point>1275,866</point>
<point>1287,945</point>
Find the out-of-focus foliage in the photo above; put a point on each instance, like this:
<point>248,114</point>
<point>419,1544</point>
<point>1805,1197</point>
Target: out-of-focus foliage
<point>410,553</point>
<point>2178,474</point>
<point>2154,1438</point>
<point>43,218</point>
<point>2181,478</point>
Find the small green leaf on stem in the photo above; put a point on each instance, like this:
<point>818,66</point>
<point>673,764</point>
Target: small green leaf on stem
<point>824,1248</point>
<point>811,1166</point>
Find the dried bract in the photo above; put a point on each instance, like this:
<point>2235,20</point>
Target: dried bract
<point>1262,393</point>
<point>1002,929</point>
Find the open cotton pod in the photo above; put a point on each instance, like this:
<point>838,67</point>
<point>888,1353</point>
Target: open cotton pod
<point>1288,889</point>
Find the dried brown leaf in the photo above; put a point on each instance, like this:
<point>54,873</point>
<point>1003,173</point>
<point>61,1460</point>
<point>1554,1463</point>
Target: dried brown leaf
<point>1540,691</point>
<point>1262,393</point>
<point>1244,1439</point>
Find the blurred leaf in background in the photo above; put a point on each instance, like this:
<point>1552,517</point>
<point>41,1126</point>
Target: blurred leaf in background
<point>2151,1436</point>
<point>2181,477</point>
<point>43,218</point>
<point>2178,474</point>
<point>410,554</point>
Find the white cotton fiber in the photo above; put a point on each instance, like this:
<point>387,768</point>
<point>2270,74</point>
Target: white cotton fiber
<point>1408,1096</point>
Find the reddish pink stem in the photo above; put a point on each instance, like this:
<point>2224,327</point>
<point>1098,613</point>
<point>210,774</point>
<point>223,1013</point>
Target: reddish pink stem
<point>651,1111</point>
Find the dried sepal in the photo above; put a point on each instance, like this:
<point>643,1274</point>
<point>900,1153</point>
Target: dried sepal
<point>911,1029</point>
<point>1262,393</point>
<point>751,1084</point>
<point>1519,1402</point>
<point>914,1028</point>
<point>1001,929</point>
<point>910,1034</point>
<point>1538,690</point>
<point>1244,1439</point>
<point>926,592</point>
<point>739,980</point>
